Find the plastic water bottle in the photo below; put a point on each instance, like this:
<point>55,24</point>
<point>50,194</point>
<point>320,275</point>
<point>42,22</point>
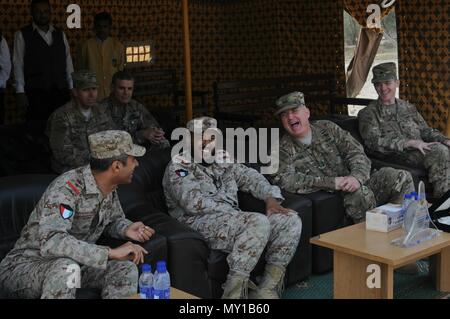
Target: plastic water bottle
<point>146,282</point>
<point>406,201</point>
<point>161,286</point>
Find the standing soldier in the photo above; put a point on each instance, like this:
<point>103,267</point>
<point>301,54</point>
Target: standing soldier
<point>204,197</point>
<point>393,129</point>
<point>69,126</point>
<point>75,210</point>
<point>322,156</point>
<point>130,115</point>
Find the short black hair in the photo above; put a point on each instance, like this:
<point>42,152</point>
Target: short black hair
<point>121,76</point>
<point>103,16</point>
<point>35,2</point>
<point>102,165</point>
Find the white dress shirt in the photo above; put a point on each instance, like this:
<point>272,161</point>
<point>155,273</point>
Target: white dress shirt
<point>5,63</point>
<point>19,53</point>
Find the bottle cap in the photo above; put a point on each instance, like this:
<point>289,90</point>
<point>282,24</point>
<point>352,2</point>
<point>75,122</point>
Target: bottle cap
<point>407,196</point>
<point>146,268</point>
<point>161,266</point>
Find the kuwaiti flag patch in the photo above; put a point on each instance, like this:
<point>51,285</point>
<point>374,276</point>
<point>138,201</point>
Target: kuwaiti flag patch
<point>182,172</point>
<point>66,211</point>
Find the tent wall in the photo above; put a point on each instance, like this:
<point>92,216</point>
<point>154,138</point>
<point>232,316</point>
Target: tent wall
<point>263,38</point>
<point>423,33</point>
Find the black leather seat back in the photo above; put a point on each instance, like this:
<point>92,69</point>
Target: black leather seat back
<point>18,197</point>
<point>146,187</point>
<point>23,150</point>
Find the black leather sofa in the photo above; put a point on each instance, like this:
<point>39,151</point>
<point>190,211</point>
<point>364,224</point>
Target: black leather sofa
<point>194,268</point>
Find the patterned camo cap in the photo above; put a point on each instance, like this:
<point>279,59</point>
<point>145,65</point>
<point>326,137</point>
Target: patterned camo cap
<point>109,144</point>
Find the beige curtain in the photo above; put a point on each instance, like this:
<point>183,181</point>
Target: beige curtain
<point>367,46</point>
<point>358,69</point>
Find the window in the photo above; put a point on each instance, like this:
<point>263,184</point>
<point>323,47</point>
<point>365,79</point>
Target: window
<point>138,53</point>
<point>387,52</point>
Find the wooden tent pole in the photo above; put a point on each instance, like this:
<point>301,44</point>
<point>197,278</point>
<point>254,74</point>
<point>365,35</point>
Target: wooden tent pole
<point>187,61</point>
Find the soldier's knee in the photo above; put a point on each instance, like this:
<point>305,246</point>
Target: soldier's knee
<point>388,171</point>
<point>295,223</point>
<point>439,152</point>
<point>260,222</point>
<point>65,265</point>
<point>123,267</point>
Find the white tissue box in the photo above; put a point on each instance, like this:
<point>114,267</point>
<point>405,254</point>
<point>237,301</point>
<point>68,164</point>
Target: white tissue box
<point>385,218</point>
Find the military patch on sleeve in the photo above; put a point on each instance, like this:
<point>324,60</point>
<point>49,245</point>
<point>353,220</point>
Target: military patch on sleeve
<point>73,188</point>
<point>66,211</point>
<point>182,172</point>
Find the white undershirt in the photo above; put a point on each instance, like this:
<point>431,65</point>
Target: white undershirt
<point>306,140</point>
<point>86,113</point>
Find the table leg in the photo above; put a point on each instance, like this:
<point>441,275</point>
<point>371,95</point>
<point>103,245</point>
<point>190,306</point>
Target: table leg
<point>354,279</point>
<point>443,270</point>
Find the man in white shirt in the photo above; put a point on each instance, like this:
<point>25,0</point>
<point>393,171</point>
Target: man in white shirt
<point>5,69</point>
<point>42,65</point>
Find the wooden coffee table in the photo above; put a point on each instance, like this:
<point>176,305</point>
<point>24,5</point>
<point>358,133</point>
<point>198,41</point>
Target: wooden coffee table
<point>174,294</point>
<point>355,248</point>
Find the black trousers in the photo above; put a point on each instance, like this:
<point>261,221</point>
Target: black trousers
<point>2,106</point>
<point>42,103</point>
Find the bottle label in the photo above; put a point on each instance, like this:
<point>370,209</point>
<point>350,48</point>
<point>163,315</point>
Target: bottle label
<point>146,292</point>
<point>161,294</point>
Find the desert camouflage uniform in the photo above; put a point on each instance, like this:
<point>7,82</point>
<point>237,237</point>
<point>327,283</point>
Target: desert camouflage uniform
<point>386,129</point>
<point>55,239</point>
<point>68,132</point>
<point>133,118</point>
<point>205,198</point>
<point>335,153</point>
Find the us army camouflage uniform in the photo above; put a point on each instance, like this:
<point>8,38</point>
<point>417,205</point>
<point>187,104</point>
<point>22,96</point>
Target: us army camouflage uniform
<point>335,153</point>
<point>133,118</point>
<point>68,132</point>
<point>52,241</point>
<point>386,129</point>
<point>205,198</point>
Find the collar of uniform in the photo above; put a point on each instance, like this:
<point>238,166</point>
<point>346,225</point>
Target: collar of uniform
<point>382,109</point>
<point>51,28</point>
<point>89,181</point>
<point>314,133</point>
<point>114,103</point>
<point>94,109</point>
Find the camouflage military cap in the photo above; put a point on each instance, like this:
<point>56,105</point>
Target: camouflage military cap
<point>384,72</point>
<point>204,122</point>
<point>289,101</point>
<point>109,144</point>
<point>84,79</point>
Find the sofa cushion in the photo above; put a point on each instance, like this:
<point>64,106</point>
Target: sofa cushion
<point>18,196</point>
<point>146,187</point>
